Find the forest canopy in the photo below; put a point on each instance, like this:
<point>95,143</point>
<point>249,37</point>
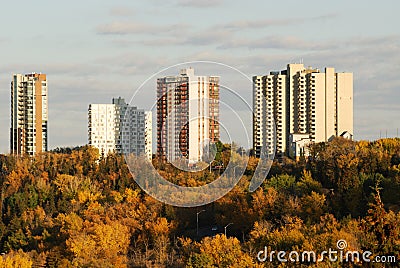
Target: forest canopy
<point>67,208</point>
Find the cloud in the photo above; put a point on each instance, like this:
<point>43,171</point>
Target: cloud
<point>206,37</point>
<point>379,106</point>
<point>252,24</point>
<point>56,68</point>
<point>388,41</point>
<point>121,12</point>
<point>195,38</point>
<point>263,23</point>
<point>371,55</point>
<point>125,28</point>
<point>222,35</point>
<point>200,4</point>
<point>181,38</point>
<point>277,42</point>
<point>167,41</point>
<point>122,28</point>
<point>132,63</point>
<point>384,46</point>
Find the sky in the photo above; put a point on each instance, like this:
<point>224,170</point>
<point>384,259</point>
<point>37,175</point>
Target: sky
<point>95,50</point>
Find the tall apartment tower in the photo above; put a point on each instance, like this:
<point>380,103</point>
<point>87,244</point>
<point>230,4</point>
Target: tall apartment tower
<point>29,114</point>
<point>117,127</point>
<point>306,104</point>
<point>187,115</point>
<point>270,110</point>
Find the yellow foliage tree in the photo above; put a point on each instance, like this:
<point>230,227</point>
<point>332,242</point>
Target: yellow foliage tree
<point>220,251</point>
<point>100,245</point>
<point>14,259</point>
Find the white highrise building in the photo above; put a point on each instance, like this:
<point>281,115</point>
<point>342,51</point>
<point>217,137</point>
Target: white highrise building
<point>306,106</point>
<point>187,115</point>
<point>117,127</point>
<point>102,127</point>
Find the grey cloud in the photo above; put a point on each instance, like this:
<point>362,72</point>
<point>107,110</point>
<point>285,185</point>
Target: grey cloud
<point>263,23</point>
<point>207,37</point>
<point>388,41</point>
<point>75,69</point>
<point>352,53</point>
<point>193,38</point>
<point>121,28</point>
<point>122,12</point>
<point>278,42</point>
<point>199,4</point>
<point>71,69</point>
<point>168,41</point>
<point>126,27</point>
<point>251,24</point>
<point>184,34</point>
<point>376,58</point>
<point>133,63</point>
<point>83,89</point>
<point>379,106</point>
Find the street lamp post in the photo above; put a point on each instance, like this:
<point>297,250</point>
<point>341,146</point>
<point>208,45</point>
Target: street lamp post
<point>234,171</point>
<point>227,227</point>
<point>197,217</point>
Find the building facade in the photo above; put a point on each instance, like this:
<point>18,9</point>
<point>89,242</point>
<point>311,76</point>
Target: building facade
<point>305,104</point>
<point>270,113</point>
<point>148,136</point>
<point>187,115</point>
<point>102,125</point>
<point>29,114</point>
<point>117,128</point>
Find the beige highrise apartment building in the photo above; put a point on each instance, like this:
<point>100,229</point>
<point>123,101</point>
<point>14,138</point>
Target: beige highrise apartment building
<point>307,105</point>
<point>29,114</point>
<point>270,110</point>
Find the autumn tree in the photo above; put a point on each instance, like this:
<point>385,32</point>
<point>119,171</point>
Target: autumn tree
<point>220,251</point>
